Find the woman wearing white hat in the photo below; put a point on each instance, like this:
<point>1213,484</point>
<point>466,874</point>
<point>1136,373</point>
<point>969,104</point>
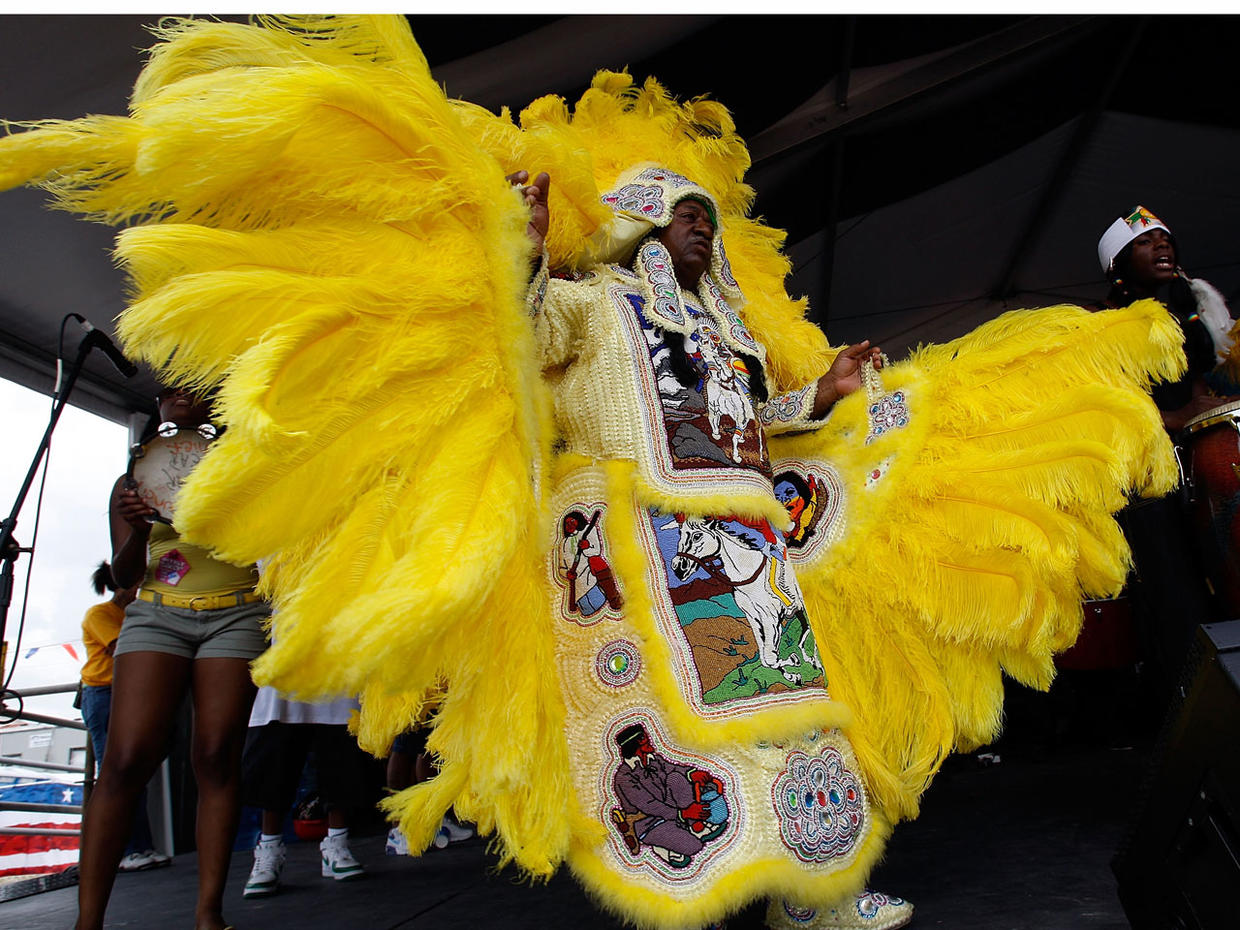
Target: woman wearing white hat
<point>1170,594</point>
<point>1139,257</point>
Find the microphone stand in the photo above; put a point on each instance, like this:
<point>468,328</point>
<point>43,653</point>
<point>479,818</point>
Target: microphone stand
<point>9,549</point>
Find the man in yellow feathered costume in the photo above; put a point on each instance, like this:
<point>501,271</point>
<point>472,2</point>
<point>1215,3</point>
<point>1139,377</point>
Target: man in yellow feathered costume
<point>325,238</point>
<point>731,781</point>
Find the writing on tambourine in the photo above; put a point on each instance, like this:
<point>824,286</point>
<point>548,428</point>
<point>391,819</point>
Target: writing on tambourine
<point>161,467</point>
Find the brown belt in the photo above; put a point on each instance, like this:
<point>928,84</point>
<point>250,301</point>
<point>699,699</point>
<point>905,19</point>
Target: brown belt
<point>198,601</point>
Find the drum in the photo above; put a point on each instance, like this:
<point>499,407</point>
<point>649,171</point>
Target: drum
<point>159,465</point>
<point>1108,638</point>
<point>1213,478</point>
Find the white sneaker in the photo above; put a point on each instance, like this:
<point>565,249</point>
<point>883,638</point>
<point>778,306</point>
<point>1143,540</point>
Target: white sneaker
<point>158,859</point>
<point>136,862</point>
<point>264,878</point>
<point>396,845</point>
<point>338,862</point>
<point>451,832</point>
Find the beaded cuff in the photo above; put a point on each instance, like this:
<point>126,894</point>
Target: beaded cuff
<point>790,412</point>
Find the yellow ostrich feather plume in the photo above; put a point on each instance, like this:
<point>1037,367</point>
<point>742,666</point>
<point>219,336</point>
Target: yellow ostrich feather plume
<point>322,239</point>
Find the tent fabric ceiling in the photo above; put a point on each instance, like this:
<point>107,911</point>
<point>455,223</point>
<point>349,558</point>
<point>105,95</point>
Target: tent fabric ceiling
<point>922,270</point>
<point>931,171</point>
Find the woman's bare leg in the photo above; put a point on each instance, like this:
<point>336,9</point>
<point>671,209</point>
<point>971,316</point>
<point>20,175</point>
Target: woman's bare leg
<point>223,693</point>
<point>147,688</point>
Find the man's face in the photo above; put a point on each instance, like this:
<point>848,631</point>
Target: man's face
<point>644,748</point>
<point>688,239</point>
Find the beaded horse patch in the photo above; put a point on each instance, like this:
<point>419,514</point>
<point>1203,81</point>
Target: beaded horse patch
<point>820,804</point>
<point>728,604</point>
<point>670,811</point>
<point>711,421</point>
<point>680,420</point>
<point>583,567</point>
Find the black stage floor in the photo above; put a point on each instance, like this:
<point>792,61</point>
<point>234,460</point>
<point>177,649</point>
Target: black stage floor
<point>1022,845</point>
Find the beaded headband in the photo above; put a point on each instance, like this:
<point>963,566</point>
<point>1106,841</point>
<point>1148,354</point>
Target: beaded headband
<point>646,196</point>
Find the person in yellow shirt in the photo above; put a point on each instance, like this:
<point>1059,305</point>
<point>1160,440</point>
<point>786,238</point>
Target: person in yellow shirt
<point>100,628</point>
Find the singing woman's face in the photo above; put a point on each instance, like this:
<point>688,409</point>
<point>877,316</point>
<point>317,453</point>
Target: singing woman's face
<point>1151,260</point>
<point>182,408</point>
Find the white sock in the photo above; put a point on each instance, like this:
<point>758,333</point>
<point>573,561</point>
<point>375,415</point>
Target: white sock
<point>337,831</point>
<point>270,839</point>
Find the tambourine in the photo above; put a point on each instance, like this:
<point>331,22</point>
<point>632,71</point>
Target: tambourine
<point>159,465</point>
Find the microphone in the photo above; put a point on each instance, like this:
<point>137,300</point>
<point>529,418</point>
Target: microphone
<point>98,339</point>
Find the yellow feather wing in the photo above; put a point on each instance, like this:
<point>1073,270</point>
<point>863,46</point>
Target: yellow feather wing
<point>971,533</point>
<point>323,241</point>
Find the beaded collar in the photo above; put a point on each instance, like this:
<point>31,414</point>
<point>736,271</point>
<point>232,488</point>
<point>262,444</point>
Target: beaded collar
<point>665,303</point>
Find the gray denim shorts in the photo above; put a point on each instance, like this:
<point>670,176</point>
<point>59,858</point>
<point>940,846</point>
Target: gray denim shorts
<point>226,633</point>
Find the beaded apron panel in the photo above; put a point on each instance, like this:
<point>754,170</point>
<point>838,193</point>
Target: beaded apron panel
<point>681,819</point>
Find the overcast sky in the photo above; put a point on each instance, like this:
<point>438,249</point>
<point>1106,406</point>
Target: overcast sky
<point>87,454</point>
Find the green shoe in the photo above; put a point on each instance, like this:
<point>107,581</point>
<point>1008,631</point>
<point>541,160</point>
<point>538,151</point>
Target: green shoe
<point>338,862</point>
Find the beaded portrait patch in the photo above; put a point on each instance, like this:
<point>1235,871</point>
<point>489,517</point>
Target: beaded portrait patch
<point>670,811</point>
<point>728,604</point>
<point>813,495</point>
<point>583,566</point>
<point>820,804</point>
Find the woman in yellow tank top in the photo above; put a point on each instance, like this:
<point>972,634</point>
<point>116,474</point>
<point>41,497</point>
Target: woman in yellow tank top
<point>195,626</point>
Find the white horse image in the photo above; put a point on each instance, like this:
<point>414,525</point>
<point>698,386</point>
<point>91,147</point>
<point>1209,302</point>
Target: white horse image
<point>765,588</point>
<point>724,396</point>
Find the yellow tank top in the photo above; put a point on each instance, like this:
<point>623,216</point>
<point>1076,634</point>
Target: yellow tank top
<point>174,566</point>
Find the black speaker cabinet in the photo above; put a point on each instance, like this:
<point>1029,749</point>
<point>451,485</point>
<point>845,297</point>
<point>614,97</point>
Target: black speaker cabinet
<point>1179,865</point>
